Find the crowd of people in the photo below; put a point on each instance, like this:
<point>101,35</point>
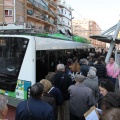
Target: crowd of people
<point>72,90</point>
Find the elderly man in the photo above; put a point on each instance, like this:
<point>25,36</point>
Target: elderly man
<point>63,81</point>
<point>35,108</point>
<point>3,107</point>
<point>81,99</point>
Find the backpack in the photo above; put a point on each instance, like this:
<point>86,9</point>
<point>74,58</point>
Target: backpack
<point>50,77</point>
<point>72,75</point>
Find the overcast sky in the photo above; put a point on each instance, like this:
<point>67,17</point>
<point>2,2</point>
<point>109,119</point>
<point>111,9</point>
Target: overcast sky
<point>105,13</point>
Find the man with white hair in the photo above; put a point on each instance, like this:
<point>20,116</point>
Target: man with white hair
<point>92,82</point>
<point>81,99</point>
<point>63,81</point>
<point>3,107</point>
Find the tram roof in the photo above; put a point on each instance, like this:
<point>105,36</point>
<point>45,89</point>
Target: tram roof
<point>26,29</point>
<point>58,36</point>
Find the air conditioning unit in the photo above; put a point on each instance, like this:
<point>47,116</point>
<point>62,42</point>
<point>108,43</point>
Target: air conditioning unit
<point>37,15</point>
<point>29,12</point>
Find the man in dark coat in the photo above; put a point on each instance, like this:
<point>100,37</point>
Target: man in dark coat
<point>84,67</point>
<point>63,81</point>
<point>35,108</point>
<point>101,69</point>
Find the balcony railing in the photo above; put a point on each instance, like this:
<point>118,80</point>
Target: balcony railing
<point>38,4</point>
<point>51,2</point>
<point>46,29</point>
<point>51,13</point>
<point>55,22</point>
<point>42,17</point>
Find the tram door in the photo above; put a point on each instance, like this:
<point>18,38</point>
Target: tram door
<point>55,57</point>
<point>47,60</point>
<point>41,64</point>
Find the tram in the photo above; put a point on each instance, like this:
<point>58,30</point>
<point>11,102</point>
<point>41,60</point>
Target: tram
<point>25,57</point>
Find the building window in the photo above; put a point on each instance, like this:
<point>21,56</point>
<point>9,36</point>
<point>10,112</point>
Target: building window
<point>62,10</point>
<point>9,12</point>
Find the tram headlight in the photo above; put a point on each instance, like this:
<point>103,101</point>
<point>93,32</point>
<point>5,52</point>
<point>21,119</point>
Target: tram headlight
<point>28,93</point>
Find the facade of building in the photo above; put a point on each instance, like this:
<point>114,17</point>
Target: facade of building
<point>46,16</point>
<point>64,16</point>
<point>40,13</point>
<point>1,10</point>
<point>85,28</point>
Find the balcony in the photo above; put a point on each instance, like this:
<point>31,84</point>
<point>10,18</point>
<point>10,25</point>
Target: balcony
<point>63,5</point>
<point>59,22</point>
<point>45,9</point>
<point>37,4</point>
<point>55,22</point>
<point>51,14</point>
<point>52,3</point>
<point>60,14</point>
<point>39,18</point>
<point>46,29</point>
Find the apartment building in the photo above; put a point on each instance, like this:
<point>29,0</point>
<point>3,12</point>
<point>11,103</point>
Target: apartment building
<point>40,13</point>
<point>64,16</point>
<point>1,10</point>
<point>85,28</point>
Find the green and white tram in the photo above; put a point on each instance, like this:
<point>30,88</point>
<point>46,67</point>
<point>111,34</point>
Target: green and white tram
<point>18,56</point>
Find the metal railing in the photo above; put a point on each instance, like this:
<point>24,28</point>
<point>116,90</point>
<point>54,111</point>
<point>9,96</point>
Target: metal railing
<point>51,2</point>
<point>42,17</point>
<point>37,4</point>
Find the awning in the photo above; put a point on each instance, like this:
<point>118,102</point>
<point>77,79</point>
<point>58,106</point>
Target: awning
<point>104,38</point>
<point>109,35</point>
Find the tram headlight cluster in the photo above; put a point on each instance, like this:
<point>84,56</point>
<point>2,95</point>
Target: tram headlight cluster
<point>28,93</point>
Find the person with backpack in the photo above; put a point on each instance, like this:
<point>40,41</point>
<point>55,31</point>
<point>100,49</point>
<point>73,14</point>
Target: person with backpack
<point>84,67</point>
<point>63,81</point>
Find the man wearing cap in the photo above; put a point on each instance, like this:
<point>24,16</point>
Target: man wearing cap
<point>81,99</point>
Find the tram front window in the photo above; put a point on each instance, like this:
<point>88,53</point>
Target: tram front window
<point>12,50</point>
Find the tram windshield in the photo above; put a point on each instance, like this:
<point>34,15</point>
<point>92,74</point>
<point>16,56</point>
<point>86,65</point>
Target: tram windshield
<point>12,51</point>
